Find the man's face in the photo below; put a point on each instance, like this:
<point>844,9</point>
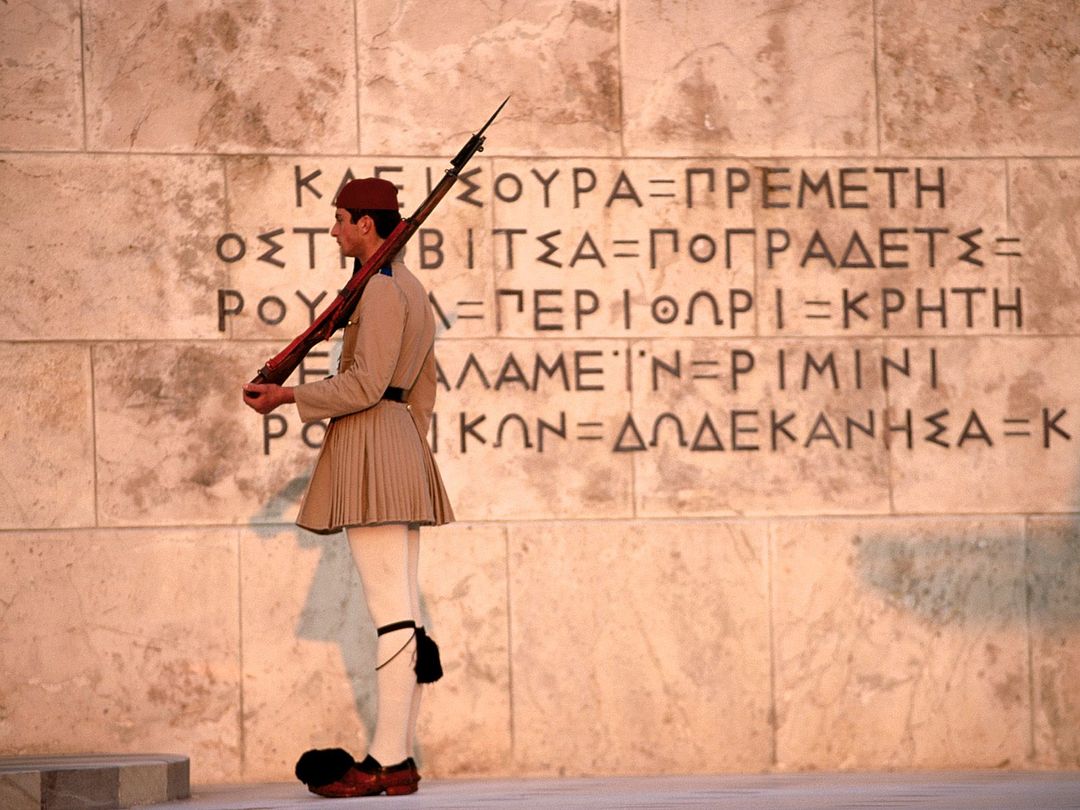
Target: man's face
<point>347,233</point>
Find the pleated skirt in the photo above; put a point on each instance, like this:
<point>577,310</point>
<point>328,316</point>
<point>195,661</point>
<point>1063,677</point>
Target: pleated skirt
<point>374,467</point>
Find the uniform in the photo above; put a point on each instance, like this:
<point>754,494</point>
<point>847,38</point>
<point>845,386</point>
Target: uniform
<point>375,465</point>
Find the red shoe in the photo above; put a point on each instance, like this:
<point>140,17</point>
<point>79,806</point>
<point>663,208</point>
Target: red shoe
<point>369,778</point>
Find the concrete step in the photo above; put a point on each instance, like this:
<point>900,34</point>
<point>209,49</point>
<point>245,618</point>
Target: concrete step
<point>92,782</point>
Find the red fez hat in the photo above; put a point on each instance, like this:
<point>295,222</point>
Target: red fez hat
<point>370,192</point>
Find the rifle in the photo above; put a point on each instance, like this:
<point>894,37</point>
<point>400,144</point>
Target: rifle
<point>336,315</point>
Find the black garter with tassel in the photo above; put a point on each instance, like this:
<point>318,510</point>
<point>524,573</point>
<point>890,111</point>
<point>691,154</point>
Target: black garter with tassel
<point>428,666</point>
<point>428,663</point>
<point>321,766</point>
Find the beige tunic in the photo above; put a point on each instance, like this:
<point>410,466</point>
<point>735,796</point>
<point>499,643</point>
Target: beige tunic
<point>375,465</point>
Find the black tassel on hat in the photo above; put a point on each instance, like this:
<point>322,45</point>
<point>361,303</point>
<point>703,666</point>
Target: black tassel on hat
<point>428,664</point>
<point>321,766</point>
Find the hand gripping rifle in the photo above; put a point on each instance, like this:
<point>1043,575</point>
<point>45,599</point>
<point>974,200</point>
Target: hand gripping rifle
<point>336,315</point>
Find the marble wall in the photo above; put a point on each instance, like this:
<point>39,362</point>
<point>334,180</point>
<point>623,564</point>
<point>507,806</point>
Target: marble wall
<point>758,380</point>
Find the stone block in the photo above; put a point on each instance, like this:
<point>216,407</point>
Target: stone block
<point>978,78</point>
<point>143,784</point>
<point>123,640</point>
<point>314,684</point>
<point>46,452</point>
<point>1044,205</point>
<point>996,432</point>
<point>900,643</point>
<point>177,446</point>
<point>900,242</point>
<point>178,779</point>
<point>40,86</point>
<point>537,417</point>
<point>134,257</point>
<point>639,648</point>
<point>611,248</point>
<point>211,76</point>
<point>465,724</point>
<point>288,202</point>
<point>20,791</point>
<point>756,427</point>
<point>86,788</point>
<point>430,76</point>
<point>1053,562</point>
<point>755,78</point>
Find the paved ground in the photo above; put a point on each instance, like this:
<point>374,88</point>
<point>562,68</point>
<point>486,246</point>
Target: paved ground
<point>994,790</point>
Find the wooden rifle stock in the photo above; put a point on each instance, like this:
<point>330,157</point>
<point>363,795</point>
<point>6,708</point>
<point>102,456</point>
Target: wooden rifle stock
<point>336,315</point>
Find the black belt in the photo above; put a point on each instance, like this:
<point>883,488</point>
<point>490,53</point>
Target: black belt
<point>394,394</point>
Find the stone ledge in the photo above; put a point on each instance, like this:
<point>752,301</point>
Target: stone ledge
<point>92,781</point>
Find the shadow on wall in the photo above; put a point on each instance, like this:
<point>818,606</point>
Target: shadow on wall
<point>279,508</point>
<point>335,609</point>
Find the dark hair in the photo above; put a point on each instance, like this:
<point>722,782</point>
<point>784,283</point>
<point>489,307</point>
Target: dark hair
<point>385,221</point>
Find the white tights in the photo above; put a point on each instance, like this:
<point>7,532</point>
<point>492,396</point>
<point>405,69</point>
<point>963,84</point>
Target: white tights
<point>387,558</point>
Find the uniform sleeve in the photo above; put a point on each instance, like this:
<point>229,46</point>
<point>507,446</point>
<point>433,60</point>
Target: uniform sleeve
<point>421,397</point>
<point>380,317</point>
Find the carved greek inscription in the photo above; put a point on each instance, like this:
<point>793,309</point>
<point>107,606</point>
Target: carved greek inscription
<point>717,295</point>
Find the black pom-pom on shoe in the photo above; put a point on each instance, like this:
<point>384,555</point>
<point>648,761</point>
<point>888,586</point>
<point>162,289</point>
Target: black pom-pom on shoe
<point>428,663</point>
<point>321,766</point>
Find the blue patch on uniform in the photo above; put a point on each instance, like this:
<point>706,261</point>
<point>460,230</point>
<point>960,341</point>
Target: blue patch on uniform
<point>387,271</point>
